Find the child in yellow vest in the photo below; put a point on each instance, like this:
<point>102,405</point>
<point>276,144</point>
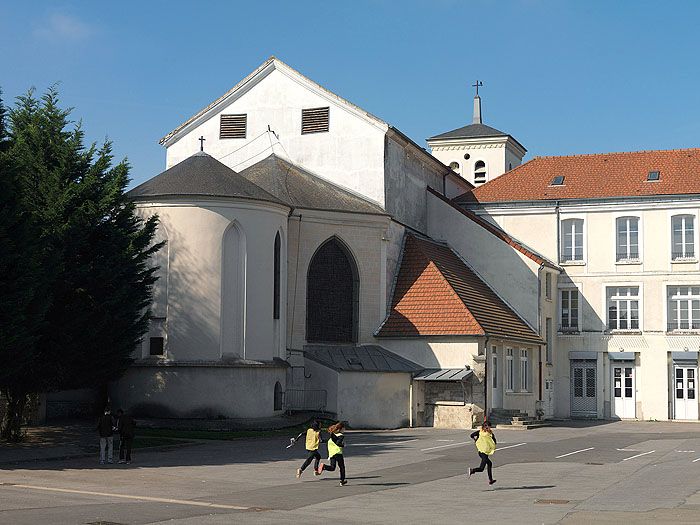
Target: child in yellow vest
<point>486,445</point>
<point>313,440</point>
<point>336,442</point>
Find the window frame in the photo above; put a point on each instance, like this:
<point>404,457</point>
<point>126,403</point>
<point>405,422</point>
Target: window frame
<point>485,171</point>
<point>569,327</point>
<point>683,257</point>
<point>688,299</point>
<point>548,338</point>
<point>510,371</point>
<point>624,299</point>
<point>572,261</point>
<point>548,286</point>
<point>524,370</point>
<point>628,257</point>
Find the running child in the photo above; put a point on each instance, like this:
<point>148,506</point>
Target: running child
<point>313,440</point>
<point>486,445</point>
<point>336,442</point>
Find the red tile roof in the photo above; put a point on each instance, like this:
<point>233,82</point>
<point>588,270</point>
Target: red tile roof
<point>596,176</point>
<point>495,230</point>
<point>436,293</point>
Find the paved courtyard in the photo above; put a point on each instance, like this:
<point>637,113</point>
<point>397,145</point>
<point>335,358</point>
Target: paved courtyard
<point>639,472</point>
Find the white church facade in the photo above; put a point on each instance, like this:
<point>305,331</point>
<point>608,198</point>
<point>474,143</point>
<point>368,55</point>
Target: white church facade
<point>318,259</point>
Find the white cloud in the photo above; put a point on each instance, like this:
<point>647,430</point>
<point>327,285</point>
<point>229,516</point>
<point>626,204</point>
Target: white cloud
<point>63,27</point>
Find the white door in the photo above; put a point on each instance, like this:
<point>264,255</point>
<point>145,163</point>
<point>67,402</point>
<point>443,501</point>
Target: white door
<point>496,386</point>
<point>548,404</point>
<point>623,391</point>
<point>685,401</point>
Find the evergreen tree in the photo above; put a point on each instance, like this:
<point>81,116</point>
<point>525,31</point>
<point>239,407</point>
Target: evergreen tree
<point>95,253</point>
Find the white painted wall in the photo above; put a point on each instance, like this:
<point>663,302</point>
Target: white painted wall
<point>537,227</point>
<point>435,352</point>
<point>374,399</point>
<point>351,154</point>
<point>197,233</point>
<point>363,235</point>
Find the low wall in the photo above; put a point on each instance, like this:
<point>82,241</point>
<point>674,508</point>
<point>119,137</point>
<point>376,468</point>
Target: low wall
<point>199,391</point>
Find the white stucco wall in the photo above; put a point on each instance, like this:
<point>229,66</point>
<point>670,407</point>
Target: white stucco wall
<point>537,227</point>
<point>198,391</point>
<point>350,154</point>
<point>499,153</point>
<point>435,352</point>
<point>197,269</point>
<point>362,234</point>
<point>374,399</point>
<point>513,276</point>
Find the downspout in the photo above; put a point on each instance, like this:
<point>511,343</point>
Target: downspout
<point>539,322</point>
<point>410,404</point>
<point>557,211</point>
<point>486,378</point>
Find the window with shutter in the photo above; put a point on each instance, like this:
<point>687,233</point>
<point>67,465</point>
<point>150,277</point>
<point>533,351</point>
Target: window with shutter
<point>233,126</point>
<point>315,120</point>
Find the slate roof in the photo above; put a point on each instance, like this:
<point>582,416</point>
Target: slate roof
<point>300,188</point>
<point>473,131</point>
<point>596,176</point>
<point>201,174</point>
<point>443,374</point>
<point>362,358</point>
<point>436,293</point>
<point>496,231</point>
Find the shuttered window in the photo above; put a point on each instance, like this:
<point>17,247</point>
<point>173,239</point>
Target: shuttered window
<point>233,126</point>
<point>314,120</point>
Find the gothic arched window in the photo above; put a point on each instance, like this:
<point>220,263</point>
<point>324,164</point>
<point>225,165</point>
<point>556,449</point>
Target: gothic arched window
<point>276,280</point>
<point>332,288</point>
<point>479,172</point>
<point>278,396</point>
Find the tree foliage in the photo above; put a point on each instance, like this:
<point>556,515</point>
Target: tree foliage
<point>73,254</point>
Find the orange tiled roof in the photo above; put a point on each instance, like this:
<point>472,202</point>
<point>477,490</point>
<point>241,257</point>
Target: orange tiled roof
<point>596,176</point>
<point>436,293</point>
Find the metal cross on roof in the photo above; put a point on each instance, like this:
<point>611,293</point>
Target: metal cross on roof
<point>201,143</point>
<point>477,86</point>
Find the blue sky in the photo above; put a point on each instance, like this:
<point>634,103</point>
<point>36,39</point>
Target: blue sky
<point>562,77</point>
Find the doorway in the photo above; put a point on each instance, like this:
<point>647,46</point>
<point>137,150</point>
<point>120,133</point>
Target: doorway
<point>623,390</point>
<point>584,402</point>
<point>685,402</point>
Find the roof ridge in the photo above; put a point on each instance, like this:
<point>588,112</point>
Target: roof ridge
<point>636,152</point>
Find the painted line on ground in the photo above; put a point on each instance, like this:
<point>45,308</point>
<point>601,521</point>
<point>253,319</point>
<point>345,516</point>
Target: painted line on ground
<point>469,443</point>
<point>638,455</point>
<point>574,452</point>
<point>382,443</point>
<point>695,460</point>
<point>127,496</point>
<point>687,451</point>
<point>627,450</point>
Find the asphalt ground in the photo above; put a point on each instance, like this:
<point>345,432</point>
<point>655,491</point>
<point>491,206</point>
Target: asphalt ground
<point>638,472</point>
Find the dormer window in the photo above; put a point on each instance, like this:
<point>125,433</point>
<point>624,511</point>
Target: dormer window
<point>315,120</point>
<point>479,172</point>
<point>653,176</point>
<point>557,181</point>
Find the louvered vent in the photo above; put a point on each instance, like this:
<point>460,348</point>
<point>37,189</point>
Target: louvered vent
<point>233,126</point>
<point>314,120</point>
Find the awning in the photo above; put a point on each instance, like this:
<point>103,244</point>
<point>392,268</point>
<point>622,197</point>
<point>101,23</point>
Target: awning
<point>621,356</point>
<point>690,356</point>
<point>443,374</point>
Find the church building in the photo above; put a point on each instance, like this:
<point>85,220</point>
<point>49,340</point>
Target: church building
<point>318,259</point>
<point>315,260</point>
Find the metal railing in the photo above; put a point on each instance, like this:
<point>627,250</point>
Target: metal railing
<point>313,400</point>
<point>688,254</point>
<point>680,326</point>
<point>627,256</point>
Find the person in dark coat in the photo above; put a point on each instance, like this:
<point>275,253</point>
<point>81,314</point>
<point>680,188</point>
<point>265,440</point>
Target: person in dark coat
<point>127,428</point>
<point>105,429</point>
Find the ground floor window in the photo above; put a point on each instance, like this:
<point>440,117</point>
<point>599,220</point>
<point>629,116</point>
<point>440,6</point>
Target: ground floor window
<point>509,369</point>
<point>524,371</point>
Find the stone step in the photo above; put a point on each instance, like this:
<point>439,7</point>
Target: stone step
<point>530,426</point>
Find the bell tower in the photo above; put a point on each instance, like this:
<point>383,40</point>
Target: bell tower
<point>479,153</point>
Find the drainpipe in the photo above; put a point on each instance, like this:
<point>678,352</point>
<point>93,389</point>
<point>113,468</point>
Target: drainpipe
<point>486,378</point>
<point>556,209</point>
<point>410,404</point>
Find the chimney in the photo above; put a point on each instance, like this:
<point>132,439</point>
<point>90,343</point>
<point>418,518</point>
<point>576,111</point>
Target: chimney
<point>477,110</point>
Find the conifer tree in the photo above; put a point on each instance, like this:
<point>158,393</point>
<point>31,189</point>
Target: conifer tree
<point>94,256</point>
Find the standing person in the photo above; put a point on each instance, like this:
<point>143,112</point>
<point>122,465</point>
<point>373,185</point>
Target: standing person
<point>336,442</point>
<point>126,426</point>
<point>313,440</point>
<point>486,445</point>
<point>104,428</point>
